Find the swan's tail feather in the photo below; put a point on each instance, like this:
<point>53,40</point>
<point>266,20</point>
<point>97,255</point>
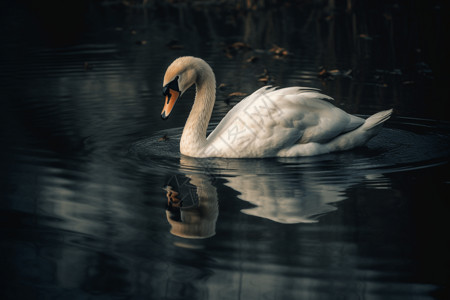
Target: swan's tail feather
<point>377,119</point>
<point>361,135</point>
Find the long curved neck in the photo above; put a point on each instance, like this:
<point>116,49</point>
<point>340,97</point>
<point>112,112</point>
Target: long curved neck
<point>193,139</point>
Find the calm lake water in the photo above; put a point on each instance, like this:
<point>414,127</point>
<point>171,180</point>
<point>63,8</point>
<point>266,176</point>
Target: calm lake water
<point>85,157</point>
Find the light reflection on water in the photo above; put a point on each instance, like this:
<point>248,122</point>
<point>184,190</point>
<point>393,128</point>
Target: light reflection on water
<point>84,213</point>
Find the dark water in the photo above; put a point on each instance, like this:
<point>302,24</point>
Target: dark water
<point>84,212</point>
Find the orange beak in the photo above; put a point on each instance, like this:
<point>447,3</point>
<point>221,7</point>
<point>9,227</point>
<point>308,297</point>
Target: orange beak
<point>171,98</point>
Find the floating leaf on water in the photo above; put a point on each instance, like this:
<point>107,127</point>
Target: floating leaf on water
<point>237,94</point>
<point>364,36</point>
<point>252,59</point>
<point>240,45</point>
<point>265,77</point>
<point>323,73</point>
<point>278,51</point>
<point>222,86</point>
<point>233,95</point>
<point>228,54</point>
<point>330,74</point>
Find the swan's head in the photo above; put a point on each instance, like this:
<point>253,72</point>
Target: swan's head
<point>179,77</point>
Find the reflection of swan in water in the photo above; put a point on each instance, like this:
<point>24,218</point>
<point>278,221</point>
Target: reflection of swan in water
<point>192,208</point>
<point>276,190</point>
<point>300,200</point>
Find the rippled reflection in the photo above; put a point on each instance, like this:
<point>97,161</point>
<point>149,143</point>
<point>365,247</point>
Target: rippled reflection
<point>192,206</point>
<point>275,189</point>
<point>293,190</point>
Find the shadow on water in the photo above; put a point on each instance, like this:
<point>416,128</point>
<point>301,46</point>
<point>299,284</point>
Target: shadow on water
<point>86,161</point>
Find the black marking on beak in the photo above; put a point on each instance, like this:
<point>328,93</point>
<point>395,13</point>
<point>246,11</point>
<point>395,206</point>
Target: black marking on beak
<point>171,85</point>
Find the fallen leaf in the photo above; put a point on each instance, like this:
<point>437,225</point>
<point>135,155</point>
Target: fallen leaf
<point>323,72</point>
<point>264,79</point>
<point>330,74</point>
<point>252,59</point>
<point>237,94</point>
<point>222,86</point>
<point>240,45</point>
<point>279,51</point>
<point>364,36</point>
<point>228,54</point>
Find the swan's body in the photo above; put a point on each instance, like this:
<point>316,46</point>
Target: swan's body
<point>270,122</point>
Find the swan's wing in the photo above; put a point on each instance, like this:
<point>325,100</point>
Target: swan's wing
<point>269,120</point>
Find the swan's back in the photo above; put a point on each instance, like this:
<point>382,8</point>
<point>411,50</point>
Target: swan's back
<point>270,120</point>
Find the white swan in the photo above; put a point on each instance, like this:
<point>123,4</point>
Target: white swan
<point>270,122</point>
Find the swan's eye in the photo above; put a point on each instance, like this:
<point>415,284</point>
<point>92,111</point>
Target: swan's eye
<point>171,85</point>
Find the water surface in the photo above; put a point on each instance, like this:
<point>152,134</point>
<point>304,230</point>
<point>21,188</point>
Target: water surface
<point>85,167</point>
